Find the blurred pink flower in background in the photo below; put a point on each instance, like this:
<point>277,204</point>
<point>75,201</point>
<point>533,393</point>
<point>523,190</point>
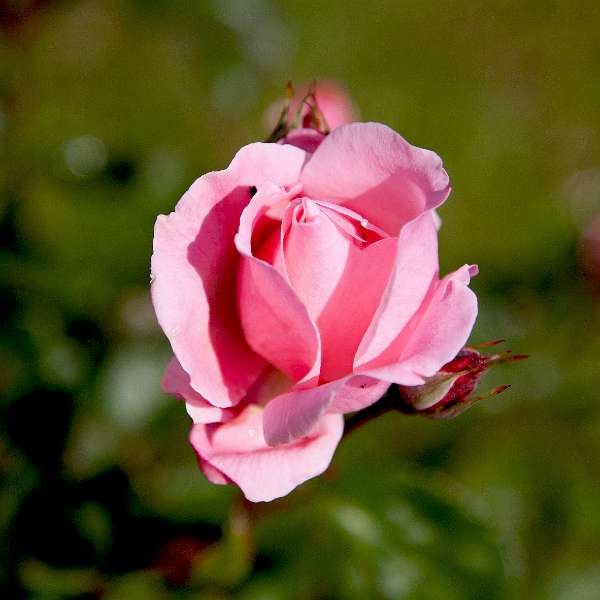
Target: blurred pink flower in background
<point>334,102</point>
<point>591,249</point>
<point>296,286</point>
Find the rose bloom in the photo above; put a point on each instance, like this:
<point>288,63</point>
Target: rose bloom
<point>295,286</point>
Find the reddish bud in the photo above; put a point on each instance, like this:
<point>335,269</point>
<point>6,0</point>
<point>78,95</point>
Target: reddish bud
<point>318,107</point>
<point>450,391</point>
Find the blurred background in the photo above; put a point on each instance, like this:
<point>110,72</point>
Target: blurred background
<point>109,109</point>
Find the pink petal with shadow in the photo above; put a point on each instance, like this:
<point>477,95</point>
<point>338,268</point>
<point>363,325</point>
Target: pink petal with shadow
<point>290,416</point>
<point>276,323</point>
<point>194,272</point>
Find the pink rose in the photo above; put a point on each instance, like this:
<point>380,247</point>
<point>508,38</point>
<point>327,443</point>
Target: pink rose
<point>294,287</point>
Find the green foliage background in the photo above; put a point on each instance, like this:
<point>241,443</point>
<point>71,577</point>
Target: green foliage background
<point>109,109</point>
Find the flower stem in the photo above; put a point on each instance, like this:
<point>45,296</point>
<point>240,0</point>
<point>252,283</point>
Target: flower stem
<point>392,400</point>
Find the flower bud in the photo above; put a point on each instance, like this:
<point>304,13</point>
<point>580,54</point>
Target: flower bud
<point>450,391</point>
<point>316,108</point>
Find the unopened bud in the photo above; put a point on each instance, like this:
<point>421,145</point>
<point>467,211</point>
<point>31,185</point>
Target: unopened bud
<point>316,108</point>
<point>451,390</point>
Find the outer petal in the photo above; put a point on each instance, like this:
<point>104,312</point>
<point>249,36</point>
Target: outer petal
<point>275,322</point>
<point>445,326</point>
<point>177,383</point>
<point>290,416</point>
<point>436,333</point>
<point>236,451</point>
<point>194,270</point>
<point>412,276</point>
<point>371,169</point>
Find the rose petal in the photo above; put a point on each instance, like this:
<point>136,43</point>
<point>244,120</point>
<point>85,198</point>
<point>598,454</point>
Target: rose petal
<point>436,333</point>
<point>412,276</point>
<point>275,322</point>
<point>194,268</point>
<point>337,277</point>
<point>292,415</point>
<point>316,252</point>
<point>371,169</point>
<point>446,325</point>
<point>351,307</point>
<point>177,383</point>
<point>237,452</point>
